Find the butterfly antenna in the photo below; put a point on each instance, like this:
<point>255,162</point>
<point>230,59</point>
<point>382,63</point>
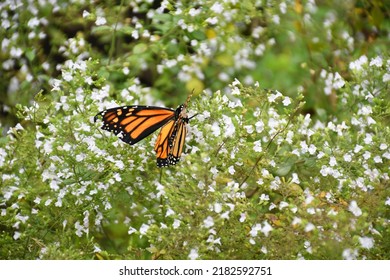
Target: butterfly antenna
<point>189,97</point>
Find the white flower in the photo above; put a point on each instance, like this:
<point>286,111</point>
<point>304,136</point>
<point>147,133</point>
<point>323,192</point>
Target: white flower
<point>257,146</point>
<point>296,221</point>
<point>131,230</point>
<point>194,12</point>
<point>85,14</point>
<point>217,8</point>
<point>366,242</point>
<point>217,207</point>
<point>276,19</point>
<point>354,208</point>
<point>368,139</point>
<point>100,21</point>
<point>378,159</point>
<point>216,130</point>
<point>169,212</point>
<point>249,128</point>
<point>16,235</point>
<point>309,227</point>
<point>286,101</point>
<point>231,170</point>
<point>283,7</point>
<point>320,155</point>
<point>357,64</point>
<point>332,161</point>
<point>143,229</point>
<point>347,157</point>
<point>208,222</point>
<point>229,126</point>
<point>193,255</point>
<point>338,81</point>
<point>377,61</point>
<point>283,204</point>
<point>386,77</point>
<point>357,149</point>
<point>295,178</point>
<point>33,22</point>
<point>383,146</point>
<point>273,97</point>
<point>176,223</point>
<point>266,228</point>
<point>312,149</point>
<point>264,197</point>
<point>259,126</point>
<point>236,91</point>
<point>242,217</point>
<point>349,254</point>
<point>255,229</point>
<point>212,20</point>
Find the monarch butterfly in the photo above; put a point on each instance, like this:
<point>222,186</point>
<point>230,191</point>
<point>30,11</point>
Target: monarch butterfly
<point>135,122</point>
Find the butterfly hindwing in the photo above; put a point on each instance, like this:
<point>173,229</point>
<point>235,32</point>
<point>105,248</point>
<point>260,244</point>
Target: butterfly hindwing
<point>170,141</point>
<point>162,147</point>
<point>177,141</point>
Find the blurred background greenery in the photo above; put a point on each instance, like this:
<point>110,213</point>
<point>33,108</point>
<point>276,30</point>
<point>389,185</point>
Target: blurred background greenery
<point>174,47</point>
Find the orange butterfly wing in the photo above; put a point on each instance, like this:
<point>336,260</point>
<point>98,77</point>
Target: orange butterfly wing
<point>170,141</point>
<point>134,123</point>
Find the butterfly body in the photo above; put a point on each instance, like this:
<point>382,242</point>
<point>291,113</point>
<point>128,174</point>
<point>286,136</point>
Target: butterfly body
<point>134,123</point>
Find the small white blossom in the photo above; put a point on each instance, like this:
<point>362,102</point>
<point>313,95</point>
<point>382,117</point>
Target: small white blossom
<point>257,146</point>
<point>217,207</point>
<point>143,229</point>
<point>383,146</point>
<point>249,128</point>
<point>349,254</point>
<point>296,221</point>
<point>366,242</point>
<point>377,61</point>
<point>131,230</point>
<point>266,228</point>
<point>378,159</point>
<point>85,14</point>
<point>332,161</point>
<point>176,223</point>
<point>193,255</point>
<point>272,97</point>
<point>208,222</point>
<point>286,101</point>
<point>169,212</point>
<point>354,208</point>
<point>357,64</point>
<point>347,157</point>
<point>100,21</point>
<point>309,227</point>
<point>212,20</point>
<point>217,8</point>
<point>16,235</point>
<point>259,126</point>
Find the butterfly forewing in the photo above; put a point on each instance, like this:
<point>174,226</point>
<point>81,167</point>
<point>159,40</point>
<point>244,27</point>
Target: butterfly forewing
<point>134,123</point>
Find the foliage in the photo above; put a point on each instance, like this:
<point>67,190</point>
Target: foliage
<point>299,170</point>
